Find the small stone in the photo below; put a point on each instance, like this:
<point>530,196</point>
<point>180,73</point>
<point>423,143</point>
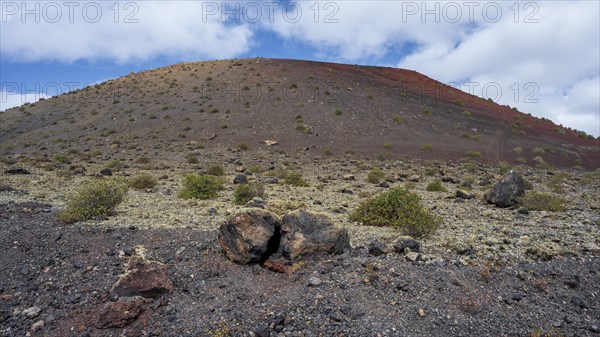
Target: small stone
<point>347,191</point>
<point>37,326</point>
<point>578,301</point>
<point>421,312</point>
<point>348,177</point>
<point>412,257</point>
<point>523,210</point>
<point>32,312</point>
<point>414,178</point>
<point>240,179</point>
<point>336,316</point>
<point>314,281</point>
<point>384,184</point>
<point>106,172</point>
<point>377,248</point>
<point>517,296</point>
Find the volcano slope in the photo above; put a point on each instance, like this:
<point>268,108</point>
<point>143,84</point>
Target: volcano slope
<point>374,112</point>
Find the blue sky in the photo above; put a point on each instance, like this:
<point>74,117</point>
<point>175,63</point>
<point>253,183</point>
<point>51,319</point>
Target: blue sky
<point>543,55</point>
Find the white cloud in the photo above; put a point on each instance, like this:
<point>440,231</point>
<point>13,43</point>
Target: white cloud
<point>11,99</point>
<point>163,28</point>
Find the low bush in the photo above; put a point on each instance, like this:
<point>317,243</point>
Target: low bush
<point>375,176</point>
<point>142,182</point>
<point>245,192</point>
<point>295,179</point>
<point>215,170</point>
<point>200,187</point>
<point>115,165</point>
<point>93,199</point>
<point>426,147</point>
<point>539,201</point>
<point>397,208</point>
<point>436,186</point>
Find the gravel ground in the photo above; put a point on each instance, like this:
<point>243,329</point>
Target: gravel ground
<point>487,271</point>
<point>65,273</point>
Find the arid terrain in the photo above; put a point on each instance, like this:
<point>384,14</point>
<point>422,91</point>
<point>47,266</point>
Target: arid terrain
<point>352,133</point>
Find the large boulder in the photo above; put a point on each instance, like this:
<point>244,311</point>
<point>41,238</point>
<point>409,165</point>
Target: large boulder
<point>308,234</point>
<point>506,191</point>
<point>143,278</point>
<point>250,236</point>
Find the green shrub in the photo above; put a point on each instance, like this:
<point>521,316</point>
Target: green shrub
<point>426,147</point>
<point>115,165</point>
<point>142,160</point>
<point>398,119</point>
<point>200,187</point>
<point>62,158</point>
<point>215,170</point>
<point>295,179</point>
<point>467,114</point>
<point>399,209</point>
<point>474,154</point>
<point>427,110</point>
<point>93,199</point>
<point>243,147</point>
<point>539,201</point>
<point>142,182</point>
<point>503,167</point>
<point>518,150</point>
<point>375,176</point>
<point>338,112</point>
<point>388,145</point>
<point>459,101</point>
<point>436,186</point>
<point>245,192</point>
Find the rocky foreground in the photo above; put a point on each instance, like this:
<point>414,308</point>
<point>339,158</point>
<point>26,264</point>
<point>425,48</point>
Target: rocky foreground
<point>161,266</point>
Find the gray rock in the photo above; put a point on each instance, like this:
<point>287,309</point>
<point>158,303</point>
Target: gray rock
<point>270,180</point>
<point>460,194</point>
<point>401,244</point>
<point>32,312</point>
<point>506,191</point>
<point>377,248</point>
<point>256,202</point>
<point>310,234</point>
<point>240,179</point>
<point>314,281</point>
<point>106,172</point>
<point>247,236</point>
<point>17,170</point>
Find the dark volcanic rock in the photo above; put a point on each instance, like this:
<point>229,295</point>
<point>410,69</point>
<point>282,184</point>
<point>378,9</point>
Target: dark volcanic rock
<point>17,170</point>
<point>120,313</point>
<point>308,234</point>
<point>247,236</point>
<point>506,191</point>
<point>401,244</point>
<point>106,172</point>
<point>143,278</point>
<point>377,248</point>
<point>240,179</point>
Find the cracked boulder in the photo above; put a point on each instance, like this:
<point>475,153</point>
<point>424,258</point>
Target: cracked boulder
<point>145,278</point>
<point>258,236</point>
<point>250,236</point>
<point>506,191</point>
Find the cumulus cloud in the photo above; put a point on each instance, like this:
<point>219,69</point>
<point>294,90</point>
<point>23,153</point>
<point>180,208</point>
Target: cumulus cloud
<point>10,99</point>
<point>127,31</point>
